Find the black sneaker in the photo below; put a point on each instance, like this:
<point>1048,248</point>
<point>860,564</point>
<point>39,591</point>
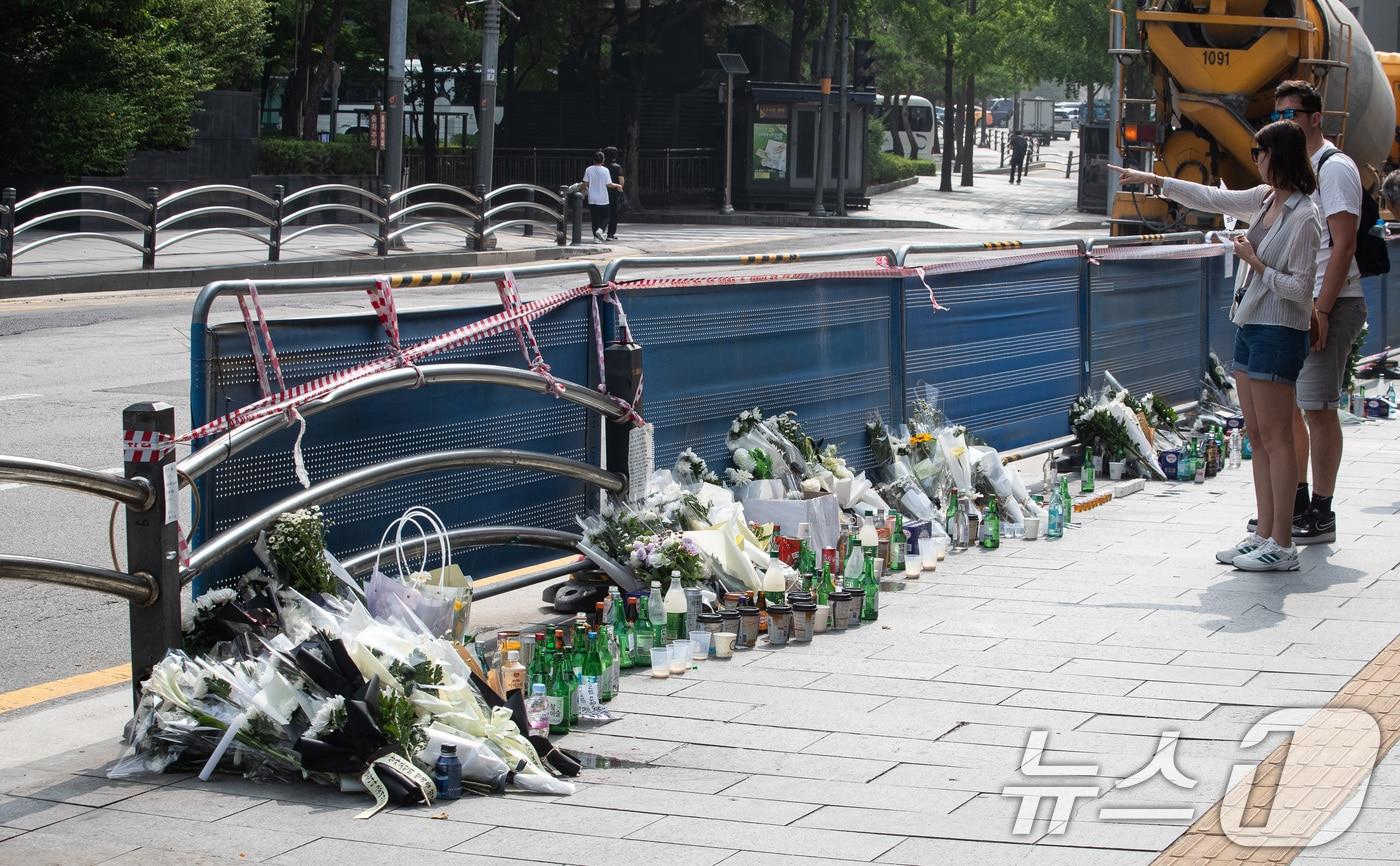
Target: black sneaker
<point>1299,518</point>
<point>1315,528</point>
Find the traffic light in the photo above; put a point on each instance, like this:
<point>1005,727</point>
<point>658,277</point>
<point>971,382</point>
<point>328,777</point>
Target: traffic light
<point>863,64</point>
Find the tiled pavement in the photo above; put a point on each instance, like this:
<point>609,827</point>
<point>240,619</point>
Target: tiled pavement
<point>893,743</point>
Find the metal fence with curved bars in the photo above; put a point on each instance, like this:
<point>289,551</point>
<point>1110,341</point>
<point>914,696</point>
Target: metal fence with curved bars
<point>275,221</point>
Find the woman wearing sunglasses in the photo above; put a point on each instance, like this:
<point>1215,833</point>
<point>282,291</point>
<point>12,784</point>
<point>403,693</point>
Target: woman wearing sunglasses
<point>1272,308</point>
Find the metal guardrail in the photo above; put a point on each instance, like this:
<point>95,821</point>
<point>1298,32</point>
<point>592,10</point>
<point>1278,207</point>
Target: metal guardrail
<point>382,217</point>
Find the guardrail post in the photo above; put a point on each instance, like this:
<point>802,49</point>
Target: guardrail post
<point>7,232</point>
<point>561,237</point>
<point>527,230</point>
<point>274,249</point>
<point>1069,164</point>
<point>148,251</point>
<point>575,207</point>
<point>152,542</point>
<point>622,373</point>
<point>385,208</point>
<point>481,219</point>
<point>1003,154</point>
<point>1086,319</point>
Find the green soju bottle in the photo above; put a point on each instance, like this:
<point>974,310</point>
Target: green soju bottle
<point>1086,485</point>
<point>606,689</point>
<point>870,608</point>
<point>539,663</point>
<point>591,684</point>
<point>626,637</point>
<point>560,693</point>
<point>1066,501</point>
<point>991,537</point>
<point>826,586</point>
<point>642,634</point>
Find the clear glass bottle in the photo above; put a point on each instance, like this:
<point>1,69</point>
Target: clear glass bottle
<point>537,710</point>
<point>1055,519</point>
<point>950,517</point>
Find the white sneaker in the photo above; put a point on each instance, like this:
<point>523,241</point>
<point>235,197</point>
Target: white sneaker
<point>1269,556</point>
<point>598,233</point>
<point>1251,541</point>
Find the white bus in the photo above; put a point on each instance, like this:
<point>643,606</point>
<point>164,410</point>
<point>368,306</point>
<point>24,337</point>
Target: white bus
<point>921,118</point>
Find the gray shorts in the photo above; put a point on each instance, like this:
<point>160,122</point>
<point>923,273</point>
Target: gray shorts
<point>1320,383</point>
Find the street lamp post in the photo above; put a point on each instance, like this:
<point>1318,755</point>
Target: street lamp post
<point>733,64</point>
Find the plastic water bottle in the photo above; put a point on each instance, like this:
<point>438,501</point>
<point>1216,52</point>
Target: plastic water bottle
<point>447,773</point>
<point>537,710</point>
<point>1055,523</point>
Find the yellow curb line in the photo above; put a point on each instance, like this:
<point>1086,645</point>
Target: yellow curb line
<point>28,697</point>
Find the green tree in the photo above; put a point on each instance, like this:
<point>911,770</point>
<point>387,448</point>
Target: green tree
<point>86,82</point>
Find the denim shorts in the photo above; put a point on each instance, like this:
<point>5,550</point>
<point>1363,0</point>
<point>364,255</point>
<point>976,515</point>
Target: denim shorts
<point>1270,353</point>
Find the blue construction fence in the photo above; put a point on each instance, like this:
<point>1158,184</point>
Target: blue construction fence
<point>1017,342</point>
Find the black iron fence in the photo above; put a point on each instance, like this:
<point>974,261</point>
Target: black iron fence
<point>153,224</point>
<point>667,177</point>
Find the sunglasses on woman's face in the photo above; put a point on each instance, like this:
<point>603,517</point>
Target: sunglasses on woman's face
<point>1288,113</point>
<point>1256,151</point>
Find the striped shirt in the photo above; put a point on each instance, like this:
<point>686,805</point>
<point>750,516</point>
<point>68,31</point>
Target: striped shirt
<point>1282,295</point>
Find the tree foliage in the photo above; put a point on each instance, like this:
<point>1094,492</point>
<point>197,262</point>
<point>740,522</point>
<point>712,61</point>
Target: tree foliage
<point>86,83</point>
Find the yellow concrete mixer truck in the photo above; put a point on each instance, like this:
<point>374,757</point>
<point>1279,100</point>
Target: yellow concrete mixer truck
<point>1206,72</point>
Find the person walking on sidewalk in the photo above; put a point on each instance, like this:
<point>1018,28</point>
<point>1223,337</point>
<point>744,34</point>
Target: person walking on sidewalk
<point>1019,144</point>
<point>598,184</point>
<point>1272,307</point>
<point>615,194</point>
<point>1338,315</point>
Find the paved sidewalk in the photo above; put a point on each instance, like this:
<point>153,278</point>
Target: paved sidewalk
<point>892,743</point>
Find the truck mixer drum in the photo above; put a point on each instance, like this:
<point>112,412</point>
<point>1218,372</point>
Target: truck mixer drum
<point>1214,65</point>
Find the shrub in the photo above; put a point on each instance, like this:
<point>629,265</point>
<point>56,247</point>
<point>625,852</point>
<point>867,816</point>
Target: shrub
<point>296,156</point>
<point>887,167</point>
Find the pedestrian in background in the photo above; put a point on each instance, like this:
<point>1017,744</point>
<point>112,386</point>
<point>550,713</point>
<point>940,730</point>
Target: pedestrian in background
<point>1019,144</point>
<point>616,196</point>
<point>1390,191</point>
<point>1273,309</point>
<point>598,184</point>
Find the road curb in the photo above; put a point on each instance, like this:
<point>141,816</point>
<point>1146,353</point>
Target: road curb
<point>780,220</point>
<point>183,278</point>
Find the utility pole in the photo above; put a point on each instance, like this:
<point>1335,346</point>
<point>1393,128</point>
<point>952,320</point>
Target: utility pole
<point>393,114</point>
<point>842,120</point>
<point>486,133</point>
<point>824,117</point>
<point>1116,42</point>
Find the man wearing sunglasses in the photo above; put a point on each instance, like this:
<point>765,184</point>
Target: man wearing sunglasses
<point>1339,313</point>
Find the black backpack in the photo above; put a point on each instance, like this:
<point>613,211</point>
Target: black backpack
<point>1372,257</point>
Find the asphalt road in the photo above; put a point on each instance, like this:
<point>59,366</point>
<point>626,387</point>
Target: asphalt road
<point>72,365</point>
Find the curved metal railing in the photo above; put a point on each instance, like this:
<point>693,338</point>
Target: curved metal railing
<point>371,215</point>
<point>366,477</point>
<point>131,492</point>
<point>616,266</point>
<point>217,451</point>
<point>478,536</point>
<point>140,589</point>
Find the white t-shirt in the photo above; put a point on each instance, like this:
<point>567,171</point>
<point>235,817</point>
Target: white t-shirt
<point>598,178</point>
<point>1338,191</point>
